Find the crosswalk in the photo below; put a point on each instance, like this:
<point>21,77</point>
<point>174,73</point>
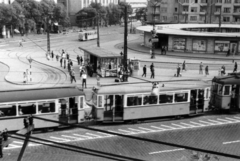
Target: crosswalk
<point>141,129</point>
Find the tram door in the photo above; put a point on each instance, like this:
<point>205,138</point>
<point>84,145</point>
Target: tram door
<point>113,108</point>
<point>197,101</point>
<point>68,110</point>
<point>73,110</point>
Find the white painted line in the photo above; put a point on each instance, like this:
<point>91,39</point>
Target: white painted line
<point>57,138</point>
<point>232,119</point>
<point>143,128</point>
<point>87,137</point>
<point>94,135</point>
<point>183,127</point>
<point>197,123</point>
<point>71,137</point>
<point>189,125</point>
<point>209,123</point>
<point>106,135</point>
<point>140,131</point>
<point>227,121</point>
<point>217,122</point>
<point>126,131</point>
<point>166,151</point>
<point>231,142</point>
<point>12,145</point>
<point>159,128</point>
<point>237,117</point>
<point>168,127</point>
<point>33,144</point>
<point>17,142</point>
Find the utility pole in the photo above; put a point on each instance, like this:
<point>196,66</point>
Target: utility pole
<point>48,36</point>
<point>98,37</point>
<point>125,76</point>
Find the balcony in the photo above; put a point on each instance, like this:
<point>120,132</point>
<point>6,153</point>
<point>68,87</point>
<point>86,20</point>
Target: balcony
<point>185,12</point>
<point>202,12</point>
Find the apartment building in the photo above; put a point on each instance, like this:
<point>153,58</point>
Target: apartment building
<point>194,11</point>
<point>73,6</point>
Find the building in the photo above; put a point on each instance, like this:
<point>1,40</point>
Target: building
<point>136,3</point>
<point>194,11</point>
<point>74,6</point>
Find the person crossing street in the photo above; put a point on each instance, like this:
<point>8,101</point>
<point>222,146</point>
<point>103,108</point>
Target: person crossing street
<point>152,71</point>
<point>144,71</point>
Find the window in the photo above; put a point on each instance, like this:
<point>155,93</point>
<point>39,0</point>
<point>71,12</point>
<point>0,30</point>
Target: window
<point>164,18</point>
<point>176,9</point>
<point>134,100</point>
<point>227,10</point>
<point>227,90</point>
<point>165,98</point>
<point>153,99</point>
<point>227,1</point>
<point>46,107</point>
<point>226,19</point>
<point>7,110</point>
<point>108,102</point>
<point>193,9</point>
<point>181,97</point>
<point>27,108</point>
<point>195,1</point>
<point>193,18</point>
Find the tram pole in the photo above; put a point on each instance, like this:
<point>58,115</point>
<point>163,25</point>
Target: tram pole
<point>125,76</point>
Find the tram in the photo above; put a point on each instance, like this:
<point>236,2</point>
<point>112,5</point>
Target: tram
<point>87,35</point>
<point>225,92</point>
<point>132,102</point>
<point>65,104</point>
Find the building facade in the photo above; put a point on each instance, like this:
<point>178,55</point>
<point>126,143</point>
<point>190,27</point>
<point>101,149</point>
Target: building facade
<point>194,11</point>
<point>74,6</point>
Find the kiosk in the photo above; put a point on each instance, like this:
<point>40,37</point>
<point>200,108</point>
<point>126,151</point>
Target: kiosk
<point>104,63</point>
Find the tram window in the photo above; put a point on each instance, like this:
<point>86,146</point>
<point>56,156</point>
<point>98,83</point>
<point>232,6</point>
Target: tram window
<point>26,109</point>
<point>165,98</point>
<point>99,101</point>
<point>46,107</point>
<point>153,100</point>
<point>7,110</point>
<point>181,97</point>
<point>227,90</point>
<point>108,102</point>
<point>134,100</point>
<point>145,100</point>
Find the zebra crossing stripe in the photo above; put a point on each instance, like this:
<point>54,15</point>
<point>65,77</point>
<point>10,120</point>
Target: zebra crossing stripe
<point>106,135</point>
<point>183,127</point>
<point>232,119</point>
<point>57,138</point>
<point>72,137</point>
<point>227,121</point>
<point>143,128</point>
<point>83,136</point>
<point>187,125</point>
<point>94,135</point>
<point>209,123</point>
<point>197,123</point>
<point>217,122</point>
<point>159,128</point>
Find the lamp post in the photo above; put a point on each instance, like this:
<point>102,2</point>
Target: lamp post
<point>154,4</point>
<point>48,34</point>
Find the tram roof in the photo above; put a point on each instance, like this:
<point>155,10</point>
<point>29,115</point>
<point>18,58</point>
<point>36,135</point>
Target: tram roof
<point>141,88</point>
<point>39,94</point>
<point>101,53</point>
<point>230,79</point>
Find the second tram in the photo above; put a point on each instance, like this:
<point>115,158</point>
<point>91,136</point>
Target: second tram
<point>87,35</point>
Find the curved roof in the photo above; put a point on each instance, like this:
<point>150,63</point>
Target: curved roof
<point>39,94</point>
<point>233,78</point>
<point>177,29</point>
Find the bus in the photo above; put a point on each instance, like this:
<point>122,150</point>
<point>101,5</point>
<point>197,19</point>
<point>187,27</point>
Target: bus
<point>87,35</point>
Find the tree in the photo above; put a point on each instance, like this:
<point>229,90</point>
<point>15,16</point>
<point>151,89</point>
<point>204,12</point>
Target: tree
<point>113,13</point>
<point>141,14</point>
<point>122,6</point>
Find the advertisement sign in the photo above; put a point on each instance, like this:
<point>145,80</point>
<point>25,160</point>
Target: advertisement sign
<point>221,46</point>
<point>199,45</point>
<point>179,43</point>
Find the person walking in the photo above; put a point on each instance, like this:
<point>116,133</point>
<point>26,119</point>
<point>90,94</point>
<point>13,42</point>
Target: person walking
<point>52,55</point>
<point>206,71</point>
<point>73,76</point>
<point>24,77</point>
<point>78,59</point>
<point>84,80</point>
<point>235,67</point>
<point>69,67</point>
<point>61,60</point>
<point>201,68</point>
<point>67,56</point>
<point>178,70</point>
<point>184,66</point>
<point>81,60</point>
<point>57,57</point>
<point>152,71</point>
<point>223,70</point>
<point>144,71</point>
<point>64,63</point>
<point>228,52</point>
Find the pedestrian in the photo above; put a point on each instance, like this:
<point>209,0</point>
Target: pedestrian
<point>144,71</point>
<point>80,70</point>
<point>61,60</point>
<point>78,59</point>
<point>201,68</point>
<point>206,71</point>
<point>152,71</point>
<point>73,76</point>
<point>64,63</point>
<point>69,67</point>
<point>67,56</point>
<point>57,57</point>
<point>84,80</point>
<point>223,70</point>
<point>81,60</point>
<point>184,66</point>
<point>228,52</point>
<point>235,67</point>
<point>71,63</point>
<point>162,50</point>
<point>24,77</point>
<point>52,55</point>
<point>178,70</point>
<point>20,43</point>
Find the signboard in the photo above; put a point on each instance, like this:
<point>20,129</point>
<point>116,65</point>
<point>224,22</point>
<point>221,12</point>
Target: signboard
<point>179,43</point>
<point>199,45</point>
<point>221,46</point>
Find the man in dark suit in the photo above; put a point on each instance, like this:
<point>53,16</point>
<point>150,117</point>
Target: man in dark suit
<point>144,71</point>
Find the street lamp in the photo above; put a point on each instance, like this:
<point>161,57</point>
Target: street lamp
<point>48,34</point>
<point>154,3</point>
